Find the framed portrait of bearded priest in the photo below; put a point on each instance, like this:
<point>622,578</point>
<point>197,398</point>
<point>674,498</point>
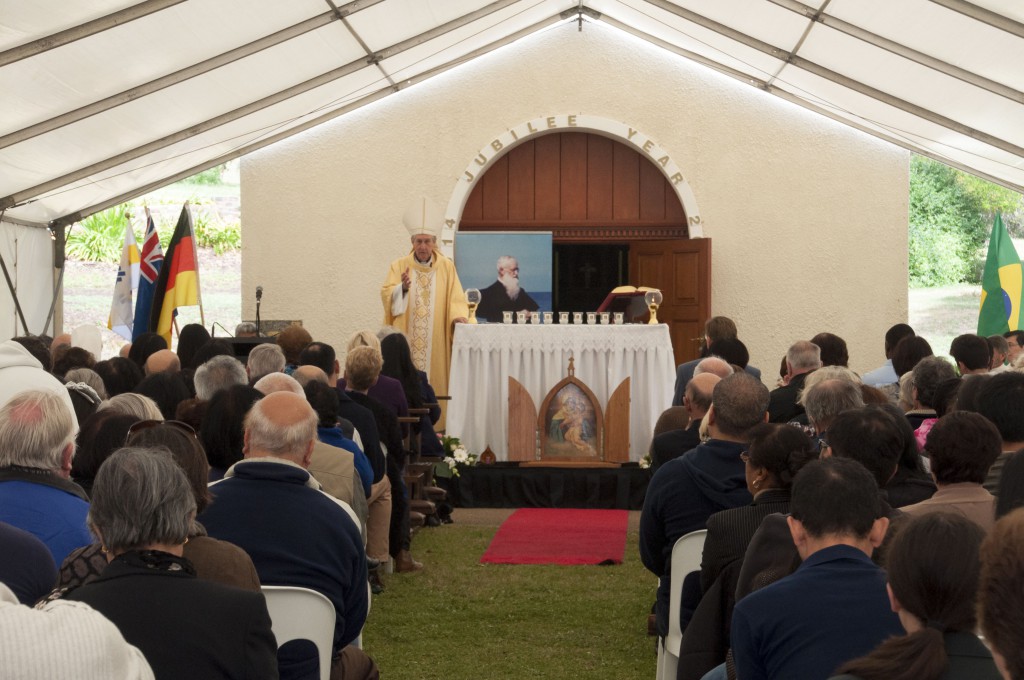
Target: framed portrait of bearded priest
<point>512,271</point>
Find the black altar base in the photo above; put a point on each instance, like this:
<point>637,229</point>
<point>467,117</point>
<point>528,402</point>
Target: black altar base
<point>507,485</point>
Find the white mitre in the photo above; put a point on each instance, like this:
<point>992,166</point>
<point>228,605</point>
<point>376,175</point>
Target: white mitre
<point>424,217</point>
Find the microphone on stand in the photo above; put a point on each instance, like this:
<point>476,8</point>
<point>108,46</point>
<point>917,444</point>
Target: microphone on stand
<point>259,297</point>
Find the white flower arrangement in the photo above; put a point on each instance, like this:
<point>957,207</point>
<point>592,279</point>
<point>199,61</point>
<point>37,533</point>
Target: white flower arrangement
<point>645,462</point>
<point>457,454</point>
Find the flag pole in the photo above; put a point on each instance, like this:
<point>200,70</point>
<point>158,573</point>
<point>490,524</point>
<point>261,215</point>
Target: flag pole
<point>195,258</point>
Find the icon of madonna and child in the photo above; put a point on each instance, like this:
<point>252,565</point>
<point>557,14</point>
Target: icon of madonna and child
<point>571,424</point>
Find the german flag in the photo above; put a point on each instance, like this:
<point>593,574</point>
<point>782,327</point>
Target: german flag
<point>178,283</point>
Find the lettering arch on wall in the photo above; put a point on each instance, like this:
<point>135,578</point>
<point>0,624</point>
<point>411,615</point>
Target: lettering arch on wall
<point>531,129</point>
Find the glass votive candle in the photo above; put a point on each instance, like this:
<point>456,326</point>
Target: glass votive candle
<point>620,318</point>
<point>577,317</point>
<point>523,317</point>
<point>548,317</point>
<point>535,318</point>
<point>605,317</point>
<point>506,317</point>
<point>591,318</point>
<point>563,317</point>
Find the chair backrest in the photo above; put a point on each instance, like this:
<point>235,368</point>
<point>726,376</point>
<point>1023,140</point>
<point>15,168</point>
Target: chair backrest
<point>686,558</point>
<point>303,614</point>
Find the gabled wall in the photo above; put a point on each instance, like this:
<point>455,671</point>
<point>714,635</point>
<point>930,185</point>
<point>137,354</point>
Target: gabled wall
<point>808,217</point>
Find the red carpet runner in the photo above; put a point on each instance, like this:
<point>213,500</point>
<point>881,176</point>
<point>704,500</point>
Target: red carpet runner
<point>559,536</point>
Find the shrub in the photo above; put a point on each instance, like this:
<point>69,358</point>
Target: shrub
<point>99,237</point>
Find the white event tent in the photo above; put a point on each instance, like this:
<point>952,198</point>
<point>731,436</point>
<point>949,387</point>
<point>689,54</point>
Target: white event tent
<point>105,100</point>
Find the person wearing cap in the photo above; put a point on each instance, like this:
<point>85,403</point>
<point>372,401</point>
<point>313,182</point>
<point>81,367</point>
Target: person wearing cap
<point>423,296</point>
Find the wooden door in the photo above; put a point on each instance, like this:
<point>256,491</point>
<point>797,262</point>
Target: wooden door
<point>681,269</point>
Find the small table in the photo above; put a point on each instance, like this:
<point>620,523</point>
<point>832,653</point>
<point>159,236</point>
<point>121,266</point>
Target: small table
<point>485,355</point>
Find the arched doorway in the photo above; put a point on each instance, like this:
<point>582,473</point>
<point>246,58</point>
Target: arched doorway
<point>615,220</point>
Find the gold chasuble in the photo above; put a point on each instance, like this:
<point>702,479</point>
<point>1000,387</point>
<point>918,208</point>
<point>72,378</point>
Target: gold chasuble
<point>425,312</point>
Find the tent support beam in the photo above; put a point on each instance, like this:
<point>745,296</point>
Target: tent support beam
<point>184,74</point>
<point>985,16</point>
<point>788,96</point>
<point>253,107</point>
<point>84,30</point>
<point>837,78</point>
<point>60,263</point>
<point>14,296</point>
<point>273,139</point>
<point>903,51</point>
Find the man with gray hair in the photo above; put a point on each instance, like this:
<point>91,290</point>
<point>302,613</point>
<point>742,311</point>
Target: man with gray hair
<point>219,373</point>
<point>333,466</point>
<point>827,399</point>
<point>684,492</point>
<point>802,358</point>
<point>505,294</point>
<point>270,506</point>
<point>37,443</point>
<point>263,360</point>
<point>713,365</point>
<point>278,382</point>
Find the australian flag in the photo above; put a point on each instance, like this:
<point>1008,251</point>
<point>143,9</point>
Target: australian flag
<point>149,270</point>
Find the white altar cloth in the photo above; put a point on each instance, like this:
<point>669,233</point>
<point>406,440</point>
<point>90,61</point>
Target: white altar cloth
<point>485,355</point>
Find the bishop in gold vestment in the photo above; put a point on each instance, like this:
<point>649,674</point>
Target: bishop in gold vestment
<point>423,296</point>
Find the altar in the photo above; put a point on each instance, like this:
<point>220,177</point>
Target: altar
<point>485,355</point>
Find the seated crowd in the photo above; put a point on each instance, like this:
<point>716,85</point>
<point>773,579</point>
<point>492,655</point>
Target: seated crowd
<point>164,489</point>
<point>856,526</point>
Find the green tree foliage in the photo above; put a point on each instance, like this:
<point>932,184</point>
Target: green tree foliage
<point>100,237</point>
<point>951,216</point>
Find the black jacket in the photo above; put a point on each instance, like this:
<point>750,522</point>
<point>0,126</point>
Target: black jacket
<point>185,627</point>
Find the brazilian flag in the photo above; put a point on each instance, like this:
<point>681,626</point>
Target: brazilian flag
<point>1000,285</point>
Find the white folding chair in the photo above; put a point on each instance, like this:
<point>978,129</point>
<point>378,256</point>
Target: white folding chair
<point>303,614</point>
<point>686,558</point>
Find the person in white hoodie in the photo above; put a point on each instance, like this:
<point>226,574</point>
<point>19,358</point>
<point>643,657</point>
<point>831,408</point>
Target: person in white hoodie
<point>20,371</point>
<point>64,640</point>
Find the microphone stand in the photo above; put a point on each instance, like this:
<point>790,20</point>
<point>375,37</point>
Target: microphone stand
<point>259,296</point>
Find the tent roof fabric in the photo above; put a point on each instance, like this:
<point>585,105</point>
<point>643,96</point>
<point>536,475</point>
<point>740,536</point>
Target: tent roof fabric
<point>108,99</point>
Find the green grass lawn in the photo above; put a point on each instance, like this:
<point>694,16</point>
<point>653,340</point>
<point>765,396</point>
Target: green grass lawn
<point>940,314</point>
<point>459,619</point>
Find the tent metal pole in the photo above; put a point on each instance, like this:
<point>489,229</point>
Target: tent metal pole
<point>184,74</point>
<point>252,107</point>
<point>985,16</point>
<point>84,30</point>
<point>267,141</point>
<point>903,51</point>
<point>60,262</point>
<point>837,78</point>
<point>14,295</point>
<point>790,97</point>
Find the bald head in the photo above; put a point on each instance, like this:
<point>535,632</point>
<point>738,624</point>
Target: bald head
<point>698,394</point>
<point>125,349</point>
<point>163,361</point>
<point>62,339</point>
<point>281,425</point>
<point>715,366</point>
<point>279,382</point>
<point>306,374</point>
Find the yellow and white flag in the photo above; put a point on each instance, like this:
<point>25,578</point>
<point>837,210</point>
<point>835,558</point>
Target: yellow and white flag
<point>122,315</point>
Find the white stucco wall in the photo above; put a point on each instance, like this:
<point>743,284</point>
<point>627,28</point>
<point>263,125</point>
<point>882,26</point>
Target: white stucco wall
<point>808,218</point>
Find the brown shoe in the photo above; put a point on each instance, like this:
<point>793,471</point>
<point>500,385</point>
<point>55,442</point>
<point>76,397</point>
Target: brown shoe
<point>405,563</point>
